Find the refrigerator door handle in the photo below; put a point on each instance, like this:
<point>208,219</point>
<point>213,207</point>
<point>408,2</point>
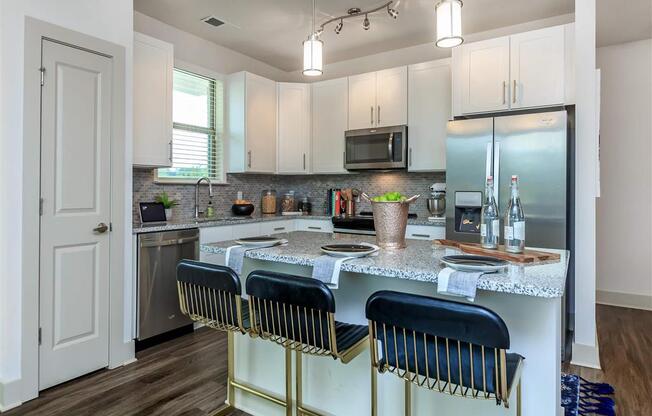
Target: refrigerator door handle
<point>488,164</point>
<point>497,172</point>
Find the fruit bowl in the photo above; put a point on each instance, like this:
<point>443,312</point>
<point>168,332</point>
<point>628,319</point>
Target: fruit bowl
<point>242,209</point>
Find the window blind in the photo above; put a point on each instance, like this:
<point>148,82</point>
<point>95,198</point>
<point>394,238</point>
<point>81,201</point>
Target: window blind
<point>198,126</point>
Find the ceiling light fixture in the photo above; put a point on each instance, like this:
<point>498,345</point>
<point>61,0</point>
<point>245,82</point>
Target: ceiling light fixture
<point>449,23</point>
<point>356,12</point>
<point>312,50</point>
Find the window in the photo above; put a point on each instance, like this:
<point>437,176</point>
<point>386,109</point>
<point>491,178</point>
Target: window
<point>197,123</point>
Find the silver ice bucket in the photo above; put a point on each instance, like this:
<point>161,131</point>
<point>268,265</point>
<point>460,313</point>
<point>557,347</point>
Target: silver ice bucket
<point>390,221</point>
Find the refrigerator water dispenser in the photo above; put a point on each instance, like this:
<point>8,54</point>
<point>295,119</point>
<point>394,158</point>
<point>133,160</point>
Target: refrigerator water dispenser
<point>468,207</point>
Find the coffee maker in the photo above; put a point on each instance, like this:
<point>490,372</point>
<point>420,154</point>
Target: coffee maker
<point>437,201</point>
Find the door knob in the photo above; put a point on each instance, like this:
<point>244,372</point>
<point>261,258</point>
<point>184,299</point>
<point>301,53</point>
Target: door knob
<point>101,228</point>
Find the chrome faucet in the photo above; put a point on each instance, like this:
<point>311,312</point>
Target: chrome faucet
<point>210,193</point>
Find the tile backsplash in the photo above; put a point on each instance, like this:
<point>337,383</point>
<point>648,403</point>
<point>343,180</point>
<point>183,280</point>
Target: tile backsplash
<point>145,189</point>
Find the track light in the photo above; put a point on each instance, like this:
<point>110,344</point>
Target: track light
<point>392,12</point>
<point>339,26</point>
<point>365,23</point>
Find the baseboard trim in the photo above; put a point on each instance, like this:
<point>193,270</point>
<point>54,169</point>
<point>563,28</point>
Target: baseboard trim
<point>586,356</point>
<point>624,300</point>
<point>10,392</point>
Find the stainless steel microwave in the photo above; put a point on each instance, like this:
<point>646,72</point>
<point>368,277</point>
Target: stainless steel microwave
<point>379,148</point>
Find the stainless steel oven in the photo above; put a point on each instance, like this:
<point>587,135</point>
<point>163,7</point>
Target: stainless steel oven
<point>379,148</point>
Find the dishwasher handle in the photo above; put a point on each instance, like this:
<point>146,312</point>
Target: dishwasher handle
<point>171,242</point>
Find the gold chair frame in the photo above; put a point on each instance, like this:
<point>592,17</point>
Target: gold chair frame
<point>274,318</point>
<point>434,381</point>
<point>214,308</point>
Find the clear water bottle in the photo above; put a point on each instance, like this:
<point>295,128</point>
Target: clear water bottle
<point>514,221</point>
<point>490,218</point>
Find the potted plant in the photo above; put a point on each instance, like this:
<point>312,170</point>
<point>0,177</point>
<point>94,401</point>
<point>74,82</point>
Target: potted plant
<point>168,203</point>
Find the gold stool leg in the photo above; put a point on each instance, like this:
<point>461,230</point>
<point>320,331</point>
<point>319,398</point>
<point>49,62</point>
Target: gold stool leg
<point>299,381</point>
<point>288,382</point>
<point>408,399</point>
<point>229,406</point>
<point>518,399</point>
<point>374,391</point>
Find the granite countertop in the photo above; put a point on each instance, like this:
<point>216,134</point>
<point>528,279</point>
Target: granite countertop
<point>419,261</point>
<point>232,220</point>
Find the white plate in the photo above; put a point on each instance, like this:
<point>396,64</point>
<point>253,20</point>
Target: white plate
<point>259,241</point>
<point>335,253</point>
<point>471,263</point>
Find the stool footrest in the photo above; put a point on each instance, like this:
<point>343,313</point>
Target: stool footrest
<point>250,389</point>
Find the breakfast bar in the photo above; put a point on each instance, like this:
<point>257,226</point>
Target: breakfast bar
<point>527,297</point>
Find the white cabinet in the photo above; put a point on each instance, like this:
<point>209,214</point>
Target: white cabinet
<point>215,234</point>
<point>429,92</point>
<point>425,232</point>
<point>329,122</point>
<point>537,68</point>
<point>276,227</point>
<point>251,126</point>
<point>293,128</point>
<point>318,226</point>
<point>362,101</point>
<point>484,75</point>
<point>525,70</point>
<point>246,230</point>
<point>153,66</point>
<point>378,99</point>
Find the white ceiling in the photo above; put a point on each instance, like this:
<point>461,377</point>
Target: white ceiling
<point>620,21</point>
<point>272,31</point>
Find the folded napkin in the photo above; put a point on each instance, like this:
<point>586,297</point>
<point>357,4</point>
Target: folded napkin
<point>327,269</point>
<point>234,257</point>
<point>457,283</point>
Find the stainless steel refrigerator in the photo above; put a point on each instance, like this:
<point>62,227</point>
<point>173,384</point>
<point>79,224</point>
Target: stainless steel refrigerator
<point>539,148</point>
<point>532,146</point>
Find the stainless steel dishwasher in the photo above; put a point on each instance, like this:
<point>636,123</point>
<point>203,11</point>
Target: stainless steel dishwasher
<point>158,301</point>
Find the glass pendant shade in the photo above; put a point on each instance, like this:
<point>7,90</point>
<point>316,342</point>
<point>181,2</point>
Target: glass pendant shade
<point>449,23</point>
<point>312,56</point>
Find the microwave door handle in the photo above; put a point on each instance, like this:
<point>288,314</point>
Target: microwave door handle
<point>390,147</point>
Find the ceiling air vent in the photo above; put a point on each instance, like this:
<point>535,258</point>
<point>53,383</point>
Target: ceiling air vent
<point>213,21</point>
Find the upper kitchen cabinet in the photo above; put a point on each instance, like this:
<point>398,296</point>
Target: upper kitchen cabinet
<point>251,126</point>
<point>153,67</point>
<point>429,92</point>
<point>329,122</point>
<point>525,70</point>
<point>293,128</point>
<point>378,99</point>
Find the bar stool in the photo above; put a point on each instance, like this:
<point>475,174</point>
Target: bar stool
<point>446,346</point>
<point>298,313</point>
<point>211,294</point>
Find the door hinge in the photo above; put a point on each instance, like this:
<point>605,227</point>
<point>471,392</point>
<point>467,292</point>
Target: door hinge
<point>40,335</point>
<point>42,69</point>
<point>110,226</point>
<point>40,207</point>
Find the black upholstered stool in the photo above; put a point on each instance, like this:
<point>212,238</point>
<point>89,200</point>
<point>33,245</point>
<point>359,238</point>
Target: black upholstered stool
<point>211,294</point>
<point>450,347</point>
<point>298,313</point>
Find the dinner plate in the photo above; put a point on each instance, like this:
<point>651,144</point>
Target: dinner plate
<point>349,250</point>
<point>263,241</point>
<point>471,263</point>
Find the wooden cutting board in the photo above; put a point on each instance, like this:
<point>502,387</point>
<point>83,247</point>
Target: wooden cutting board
<point>528,256</point>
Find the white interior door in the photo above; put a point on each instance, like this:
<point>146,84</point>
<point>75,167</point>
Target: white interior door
<point>76,195</point>
<point>392,97</point>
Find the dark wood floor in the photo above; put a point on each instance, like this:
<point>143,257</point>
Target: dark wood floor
<point>186,376</point>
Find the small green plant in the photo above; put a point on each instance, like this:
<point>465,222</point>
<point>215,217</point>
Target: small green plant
<point>164,199</point>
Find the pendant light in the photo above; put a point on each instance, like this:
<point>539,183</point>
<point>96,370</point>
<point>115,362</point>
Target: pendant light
<point>449,23</point>
<point>312,51</point>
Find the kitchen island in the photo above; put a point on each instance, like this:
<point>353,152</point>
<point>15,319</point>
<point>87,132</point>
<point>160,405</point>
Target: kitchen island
<point>528,298</point>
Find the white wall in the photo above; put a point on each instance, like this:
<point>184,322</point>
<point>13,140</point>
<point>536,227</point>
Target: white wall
<point>624,223</point>
<point>108,20</point>
<point>198,51</point>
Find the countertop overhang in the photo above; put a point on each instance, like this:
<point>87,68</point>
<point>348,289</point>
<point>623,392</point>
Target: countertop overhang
<point>420,261</point>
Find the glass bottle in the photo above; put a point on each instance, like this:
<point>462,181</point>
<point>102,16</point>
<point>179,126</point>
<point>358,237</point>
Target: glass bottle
<point>514,221</point>
<point>490,218</point>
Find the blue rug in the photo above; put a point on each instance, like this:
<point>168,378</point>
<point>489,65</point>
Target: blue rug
<point>582,397</point>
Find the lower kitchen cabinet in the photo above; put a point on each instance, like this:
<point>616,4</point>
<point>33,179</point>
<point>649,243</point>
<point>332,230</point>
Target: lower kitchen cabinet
<point>318,226</point>
<point>425,232</point>
<point>276,227</point>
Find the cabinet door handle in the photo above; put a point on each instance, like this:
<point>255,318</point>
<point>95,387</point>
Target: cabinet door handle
<point>378,115</point>
<point>170,151</point>
<point>343,159</point>
<point>514,93</point>
<point>421,235</point>
<point>410,157</point>
<point>249,162</point>
<point>504,92</point>
<point>279,228</point>
<point>372,115</point>
<point>314,228</point>
<point>304,161</point>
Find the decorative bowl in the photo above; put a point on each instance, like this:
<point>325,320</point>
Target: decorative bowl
<point>242,209</point>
